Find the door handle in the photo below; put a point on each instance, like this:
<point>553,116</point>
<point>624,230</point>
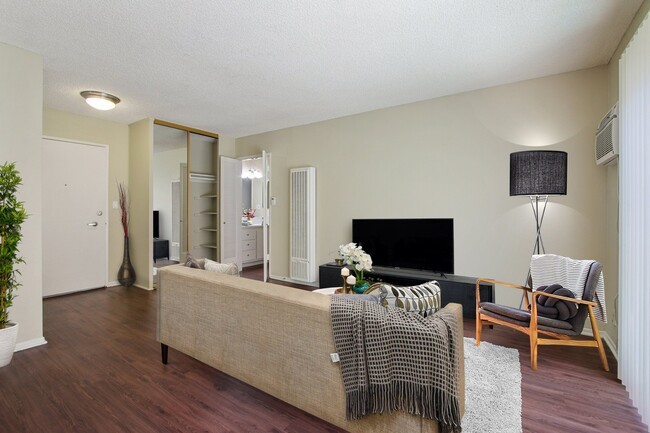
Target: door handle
<point>93,224</point>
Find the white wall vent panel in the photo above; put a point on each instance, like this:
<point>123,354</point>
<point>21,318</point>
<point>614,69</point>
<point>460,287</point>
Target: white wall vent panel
<point>607,138</point>
<point>302,224</point>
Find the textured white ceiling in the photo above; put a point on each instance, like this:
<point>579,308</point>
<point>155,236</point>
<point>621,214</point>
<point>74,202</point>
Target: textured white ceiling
<point>239,68</point>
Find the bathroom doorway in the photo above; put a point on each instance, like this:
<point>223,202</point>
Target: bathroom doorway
<point>256,214</point>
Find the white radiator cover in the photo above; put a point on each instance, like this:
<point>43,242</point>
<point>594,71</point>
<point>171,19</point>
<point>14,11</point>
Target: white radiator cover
<point>302,224</point>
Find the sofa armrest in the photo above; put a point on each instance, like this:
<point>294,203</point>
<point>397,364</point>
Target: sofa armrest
<point>457,310</point>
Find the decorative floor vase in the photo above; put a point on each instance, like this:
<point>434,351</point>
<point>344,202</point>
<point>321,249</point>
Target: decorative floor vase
<point>8,343</point>
<point>126,273</point>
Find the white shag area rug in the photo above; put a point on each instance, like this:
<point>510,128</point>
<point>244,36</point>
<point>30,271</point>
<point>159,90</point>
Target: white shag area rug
<point>492,389</point>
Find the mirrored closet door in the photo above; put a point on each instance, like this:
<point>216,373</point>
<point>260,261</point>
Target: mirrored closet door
<point>185,202</point>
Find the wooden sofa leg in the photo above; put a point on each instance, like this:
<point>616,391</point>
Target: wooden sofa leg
<point>479,327</point>
<point>164,350</point>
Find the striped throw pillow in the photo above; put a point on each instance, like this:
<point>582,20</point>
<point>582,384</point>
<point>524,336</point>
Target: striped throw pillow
<point>423,299</point>
<point>221,268</point>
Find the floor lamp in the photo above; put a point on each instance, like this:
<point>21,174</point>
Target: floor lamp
<point>538,174</point>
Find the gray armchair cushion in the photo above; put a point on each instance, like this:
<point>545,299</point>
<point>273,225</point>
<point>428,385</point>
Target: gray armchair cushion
<point>521,317</point>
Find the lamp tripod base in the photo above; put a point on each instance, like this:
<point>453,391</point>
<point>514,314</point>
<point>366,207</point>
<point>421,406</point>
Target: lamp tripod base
<point>538,247</point>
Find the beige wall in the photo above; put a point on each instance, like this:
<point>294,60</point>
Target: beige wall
<point>141,206</point>
<point>449,157</point>
<point>227,146</point>
<point>21,105</point>
<point>61,124</point>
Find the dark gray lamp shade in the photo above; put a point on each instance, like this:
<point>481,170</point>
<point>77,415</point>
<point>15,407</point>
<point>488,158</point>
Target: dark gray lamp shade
<point>538,172</point>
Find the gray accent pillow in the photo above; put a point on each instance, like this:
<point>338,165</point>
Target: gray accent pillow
<point>191,262</point>
<point>423,299</point>
<point>554,308</point>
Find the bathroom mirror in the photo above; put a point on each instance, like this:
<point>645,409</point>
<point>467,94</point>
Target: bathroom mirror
<point>252,185</point>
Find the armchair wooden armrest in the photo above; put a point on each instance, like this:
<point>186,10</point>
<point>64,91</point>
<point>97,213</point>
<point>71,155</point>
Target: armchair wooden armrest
<point>500,283</point>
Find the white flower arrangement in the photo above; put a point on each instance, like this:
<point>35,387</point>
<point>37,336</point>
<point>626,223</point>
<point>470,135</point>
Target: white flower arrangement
<point>356,257</point>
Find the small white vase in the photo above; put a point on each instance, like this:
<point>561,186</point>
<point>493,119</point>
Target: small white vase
<point>8,343</point>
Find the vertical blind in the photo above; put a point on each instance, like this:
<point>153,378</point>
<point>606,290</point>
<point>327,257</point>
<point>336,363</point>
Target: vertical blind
<point>634,220</point>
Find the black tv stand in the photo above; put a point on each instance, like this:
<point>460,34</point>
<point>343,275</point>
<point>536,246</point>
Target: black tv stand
<point>453,288</point>
<point>160,249</point>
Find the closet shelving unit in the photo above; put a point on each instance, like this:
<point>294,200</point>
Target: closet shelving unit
<point>212,229</point>
<point>204,222</point>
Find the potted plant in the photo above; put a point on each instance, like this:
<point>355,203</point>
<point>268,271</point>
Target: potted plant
<point>12,215</point>
<point>360,261</point>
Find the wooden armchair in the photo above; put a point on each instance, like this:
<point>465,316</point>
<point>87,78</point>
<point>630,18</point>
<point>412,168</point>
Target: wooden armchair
<point>529,322</point>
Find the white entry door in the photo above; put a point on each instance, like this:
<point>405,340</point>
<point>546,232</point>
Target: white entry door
<point>75,196</point>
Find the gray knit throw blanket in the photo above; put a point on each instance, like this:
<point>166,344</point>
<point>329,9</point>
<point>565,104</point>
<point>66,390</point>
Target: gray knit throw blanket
<point>395,360</point>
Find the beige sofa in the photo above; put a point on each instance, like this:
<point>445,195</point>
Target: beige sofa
<point>275,338</point>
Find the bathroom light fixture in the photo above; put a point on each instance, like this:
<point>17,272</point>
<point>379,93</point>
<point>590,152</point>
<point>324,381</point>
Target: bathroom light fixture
<point>251,174</point>
<point>100,100</point>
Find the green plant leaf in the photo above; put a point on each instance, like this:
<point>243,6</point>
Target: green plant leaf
<point>12,215</point>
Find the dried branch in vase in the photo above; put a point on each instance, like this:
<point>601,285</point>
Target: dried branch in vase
<point>124,207</point>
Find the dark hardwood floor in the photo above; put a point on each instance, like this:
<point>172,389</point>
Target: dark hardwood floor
<point>101,372</point>
<point>569,392</point>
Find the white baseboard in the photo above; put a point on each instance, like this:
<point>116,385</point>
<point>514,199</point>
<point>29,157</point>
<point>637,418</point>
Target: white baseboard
<point>606,338</point>
<point>30,343</point>
<point>610,343</point>
<point>289,280</point>
<point>116,283</point>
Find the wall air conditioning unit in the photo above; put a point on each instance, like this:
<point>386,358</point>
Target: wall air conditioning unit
<point>607,138</point>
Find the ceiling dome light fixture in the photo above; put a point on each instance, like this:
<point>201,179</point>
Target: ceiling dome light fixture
<point>100,100</point>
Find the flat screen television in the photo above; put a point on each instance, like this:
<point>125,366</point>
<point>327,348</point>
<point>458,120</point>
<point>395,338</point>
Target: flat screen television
<point>156,225</point>
<point>423,244</point>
